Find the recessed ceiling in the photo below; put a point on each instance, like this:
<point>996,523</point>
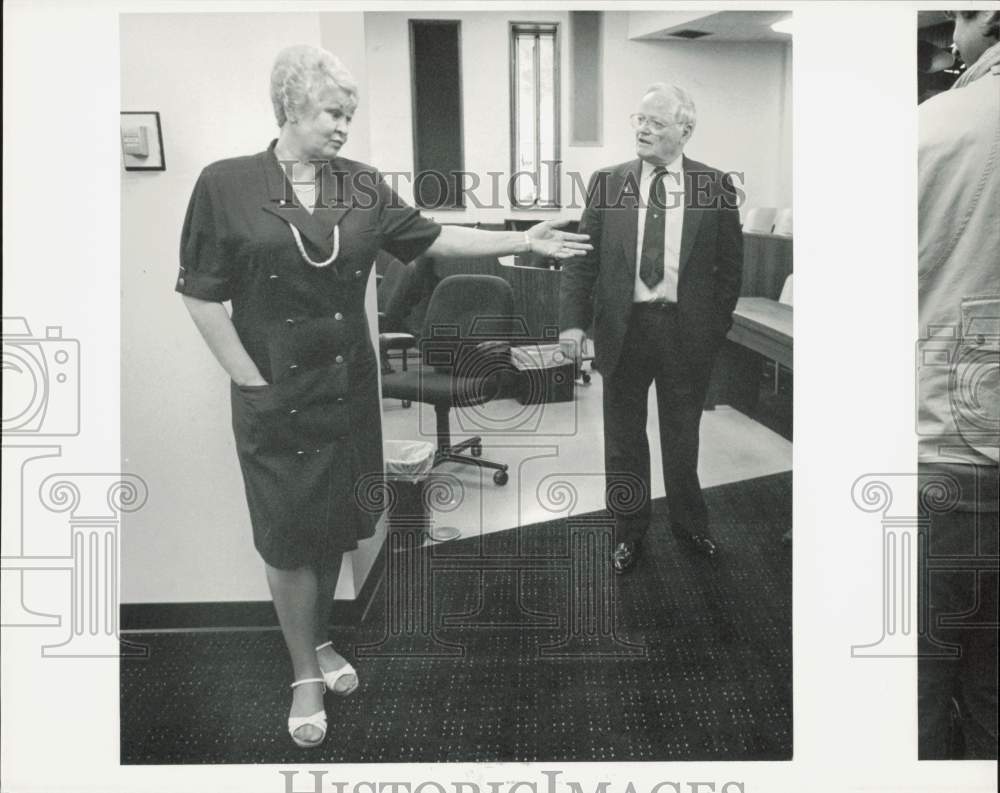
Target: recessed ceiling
<point>720,26</point>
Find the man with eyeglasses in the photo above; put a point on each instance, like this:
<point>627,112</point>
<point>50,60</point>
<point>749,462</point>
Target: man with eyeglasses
<point>660,286</point>
<point>958,412</point>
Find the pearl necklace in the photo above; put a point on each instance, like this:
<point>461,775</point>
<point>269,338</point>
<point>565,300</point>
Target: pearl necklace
<point>302,249</point>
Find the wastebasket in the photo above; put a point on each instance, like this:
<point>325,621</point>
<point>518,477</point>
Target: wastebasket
<point>546,374</point>
<point>407,465</point>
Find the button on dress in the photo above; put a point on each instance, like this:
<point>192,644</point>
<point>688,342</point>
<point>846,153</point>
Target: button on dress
<point>310,442</point>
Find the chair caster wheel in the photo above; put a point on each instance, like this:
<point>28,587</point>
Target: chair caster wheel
<point>407,403</point>
<point>477,451</point>
<point>586,378</point>
<point>500,477</point>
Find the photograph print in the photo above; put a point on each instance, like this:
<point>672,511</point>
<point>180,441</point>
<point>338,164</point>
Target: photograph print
<point>457,359</point>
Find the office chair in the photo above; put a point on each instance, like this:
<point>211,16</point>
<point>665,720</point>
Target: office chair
<point>760,220</point>
<point>465,360</point>
<point>783,223</point>
<point>392,296</point>
<point>786,291</point>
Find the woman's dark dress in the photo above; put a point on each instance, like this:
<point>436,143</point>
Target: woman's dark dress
<point>310,443</point>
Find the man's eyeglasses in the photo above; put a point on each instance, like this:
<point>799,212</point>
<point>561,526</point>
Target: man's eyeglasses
<point>656,125</point>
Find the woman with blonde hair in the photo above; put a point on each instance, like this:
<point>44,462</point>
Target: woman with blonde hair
<point>289,236</point>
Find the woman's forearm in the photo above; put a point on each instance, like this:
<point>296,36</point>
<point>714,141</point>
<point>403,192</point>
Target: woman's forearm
<point>461,241</point>
<point>216,327</point>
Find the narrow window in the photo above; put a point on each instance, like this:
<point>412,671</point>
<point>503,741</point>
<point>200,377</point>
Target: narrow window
<point>534,98</point>
<point>438,157</point>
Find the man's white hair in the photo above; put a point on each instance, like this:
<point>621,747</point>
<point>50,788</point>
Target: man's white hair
<point>300,73</point>
<point>683,104</point>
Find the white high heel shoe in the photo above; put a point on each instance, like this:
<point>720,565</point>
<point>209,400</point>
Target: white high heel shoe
<point>331,678</point>
<point>317,720</point>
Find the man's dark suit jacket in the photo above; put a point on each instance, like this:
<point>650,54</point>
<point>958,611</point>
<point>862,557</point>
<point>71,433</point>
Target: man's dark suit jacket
<point>599,287</point>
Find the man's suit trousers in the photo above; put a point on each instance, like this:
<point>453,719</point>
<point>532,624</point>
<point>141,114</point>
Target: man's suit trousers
<point>652,353</point>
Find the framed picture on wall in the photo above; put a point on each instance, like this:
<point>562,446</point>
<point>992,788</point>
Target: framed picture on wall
<point>142,141</point>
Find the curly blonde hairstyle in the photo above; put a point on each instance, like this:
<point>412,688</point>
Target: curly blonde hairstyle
<point>300,73</point>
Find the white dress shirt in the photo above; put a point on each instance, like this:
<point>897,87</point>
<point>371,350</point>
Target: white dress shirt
<point>673,227</point>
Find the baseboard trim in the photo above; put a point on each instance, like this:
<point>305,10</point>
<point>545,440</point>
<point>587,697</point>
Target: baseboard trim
<point>241,614</point>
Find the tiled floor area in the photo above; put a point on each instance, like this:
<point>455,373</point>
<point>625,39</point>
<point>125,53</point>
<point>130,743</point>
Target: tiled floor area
<point>556,452</point>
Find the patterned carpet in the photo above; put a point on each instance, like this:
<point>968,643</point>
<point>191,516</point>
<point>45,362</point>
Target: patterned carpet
<point>517,646</point>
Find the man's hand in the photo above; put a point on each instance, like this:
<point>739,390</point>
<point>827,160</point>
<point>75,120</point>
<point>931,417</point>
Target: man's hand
<point>545,238</point>
<point>571,345</point>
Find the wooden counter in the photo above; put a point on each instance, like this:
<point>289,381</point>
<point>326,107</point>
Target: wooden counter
<point>764,326</point>
<point>761,327</point>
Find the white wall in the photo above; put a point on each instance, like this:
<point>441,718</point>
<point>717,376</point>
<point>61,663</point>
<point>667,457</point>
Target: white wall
<point>741,89</point>
<point>207,75</point>
<point>343,34</point>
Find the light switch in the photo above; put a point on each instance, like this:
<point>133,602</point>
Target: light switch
<point>135,141</point>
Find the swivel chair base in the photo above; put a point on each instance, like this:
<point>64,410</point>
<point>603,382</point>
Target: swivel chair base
<point>447,453</point>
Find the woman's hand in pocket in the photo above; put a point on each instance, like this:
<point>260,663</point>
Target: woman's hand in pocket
<point>253,382</point>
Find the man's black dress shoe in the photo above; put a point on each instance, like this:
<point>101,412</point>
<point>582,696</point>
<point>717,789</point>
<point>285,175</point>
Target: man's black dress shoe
<point>704,544</point>
<point>624,556</point>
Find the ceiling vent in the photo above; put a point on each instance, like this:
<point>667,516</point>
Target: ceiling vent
<point>689,34</point>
